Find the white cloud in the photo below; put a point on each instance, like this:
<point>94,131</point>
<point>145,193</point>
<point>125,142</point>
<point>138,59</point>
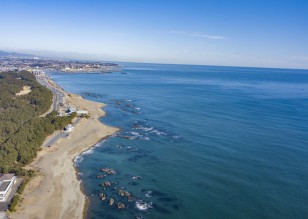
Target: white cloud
<point>198,34</point>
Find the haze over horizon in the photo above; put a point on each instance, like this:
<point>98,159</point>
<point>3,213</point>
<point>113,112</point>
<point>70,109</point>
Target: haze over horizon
<point>234,33</point>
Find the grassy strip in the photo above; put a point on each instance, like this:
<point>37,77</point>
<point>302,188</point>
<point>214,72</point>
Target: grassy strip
<point>22,186</point>
<point>14,203</point>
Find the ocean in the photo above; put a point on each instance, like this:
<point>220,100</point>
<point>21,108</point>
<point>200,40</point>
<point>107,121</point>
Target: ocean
<point>197,142</point>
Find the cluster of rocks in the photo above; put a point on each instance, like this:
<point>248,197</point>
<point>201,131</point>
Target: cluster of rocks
<point>121,192</point>
<point>103,197</point>
<point>109,171</point>
<point>111,201</point>
<point>106,184</point>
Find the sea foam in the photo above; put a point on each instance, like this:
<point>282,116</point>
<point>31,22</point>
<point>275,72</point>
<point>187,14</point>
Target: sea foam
<point>143,206</point>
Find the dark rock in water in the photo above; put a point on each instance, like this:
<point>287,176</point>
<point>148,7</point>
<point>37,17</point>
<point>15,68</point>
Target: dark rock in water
<point>134,183</point>
<point>121,205</point>
<point>121,193</point>
<point>130,199</point>
<point>100,176</point>
<point>102,196</point>
<point>106,184</point>
<point>92,94</point>
<point>111,201</point>
<point>167,199</point>
<point>161,209</point>
<point>136,157</point>
<point>136,178</point>
<point>120,146</point>
<point>176,207</point>
<point>109,171</point>
<point>125,136</point>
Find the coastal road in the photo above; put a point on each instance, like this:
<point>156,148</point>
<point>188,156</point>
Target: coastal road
<point>58,95</point>
<point>58,135</point>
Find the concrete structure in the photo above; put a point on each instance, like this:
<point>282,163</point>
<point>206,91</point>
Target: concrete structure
<point>6,183</point>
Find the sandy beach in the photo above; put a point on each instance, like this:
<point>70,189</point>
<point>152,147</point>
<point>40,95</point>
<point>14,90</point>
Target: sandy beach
<point>56,192</point>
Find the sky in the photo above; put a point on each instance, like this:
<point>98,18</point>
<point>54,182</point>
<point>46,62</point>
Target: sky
<point>262,33</point>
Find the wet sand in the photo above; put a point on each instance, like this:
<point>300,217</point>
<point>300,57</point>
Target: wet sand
<point>56,192</point>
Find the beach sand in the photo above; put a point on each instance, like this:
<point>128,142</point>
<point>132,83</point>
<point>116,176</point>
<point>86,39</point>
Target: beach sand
<point>56,192</point>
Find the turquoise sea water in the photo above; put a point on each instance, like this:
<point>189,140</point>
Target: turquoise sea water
<point>207,142</point>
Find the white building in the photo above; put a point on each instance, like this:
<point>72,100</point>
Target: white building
<point>69,128</point>
<point>70,110</point>
<point>82,112</point>
<point>6,183</point>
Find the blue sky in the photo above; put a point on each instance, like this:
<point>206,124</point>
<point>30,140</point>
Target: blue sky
<point>264,33</point>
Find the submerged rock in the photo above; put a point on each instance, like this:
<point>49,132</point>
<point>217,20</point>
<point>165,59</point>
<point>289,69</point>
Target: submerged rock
<point>102,196</point>
<point>121,205</point>
<point>106,184</point>
<point>130,199</point>
<point>109,171</point>
<point>123,193</point>
<point>136,178</point>
<point>126,193</point>
<point>111,201</point>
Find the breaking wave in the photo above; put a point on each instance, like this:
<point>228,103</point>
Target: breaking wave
<point>143,206</point>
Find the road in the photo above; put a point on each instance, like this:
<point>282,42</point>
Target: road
<point>58,94</point>
<point>58,97</point>
<point>58,135</point>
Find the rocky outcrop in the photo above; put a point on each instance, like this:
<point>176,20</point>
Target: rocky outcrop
<point>106,184</point>
<point>123,193</point>
<point>102,196</point>
<point>121,205</point>
<point>111,201</point>
<point>109,171</point>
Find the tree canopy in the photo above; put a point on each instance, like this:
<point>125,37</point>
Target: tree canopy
<point>22,131</point>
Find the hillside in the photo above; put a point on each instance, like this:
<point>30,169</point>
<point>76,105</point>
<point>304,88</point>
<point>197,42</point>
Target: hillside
<point>15,54</point>
<point>22,132</point>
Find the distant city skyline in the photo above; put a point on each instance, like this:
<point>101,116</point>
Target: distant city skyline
<point>232,33</point>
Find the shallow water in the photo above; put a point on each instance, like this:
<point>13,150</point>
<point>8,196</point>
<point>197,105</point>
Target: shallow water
<point>207,142</point>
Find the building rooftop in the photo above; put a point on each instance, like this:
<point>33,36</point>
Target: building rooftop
<point>4,185</point>
<point>4,177</point>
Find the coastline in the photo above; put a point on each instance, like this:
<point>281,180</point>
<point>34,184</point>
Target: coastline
<point>57,191</point>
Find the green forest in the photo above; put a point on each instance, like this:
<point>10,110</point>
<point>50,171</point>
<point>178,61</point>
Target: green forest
<point>22,131</point>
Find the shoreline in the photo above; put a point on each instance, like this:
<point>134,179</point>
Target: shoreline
<point>87,201</point>
<point>57,191</point>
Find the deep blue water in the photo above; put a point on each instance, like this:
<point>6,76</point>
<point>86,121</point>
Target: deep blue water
<point>207,142</point>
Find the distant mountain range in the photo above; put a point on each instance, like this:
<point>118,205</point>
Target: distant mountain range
<point>15,54</point>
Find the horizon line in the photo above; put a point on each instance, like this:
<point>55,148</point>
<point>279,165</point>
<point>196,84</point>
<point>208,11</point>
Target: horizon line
<point>142,62</point>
